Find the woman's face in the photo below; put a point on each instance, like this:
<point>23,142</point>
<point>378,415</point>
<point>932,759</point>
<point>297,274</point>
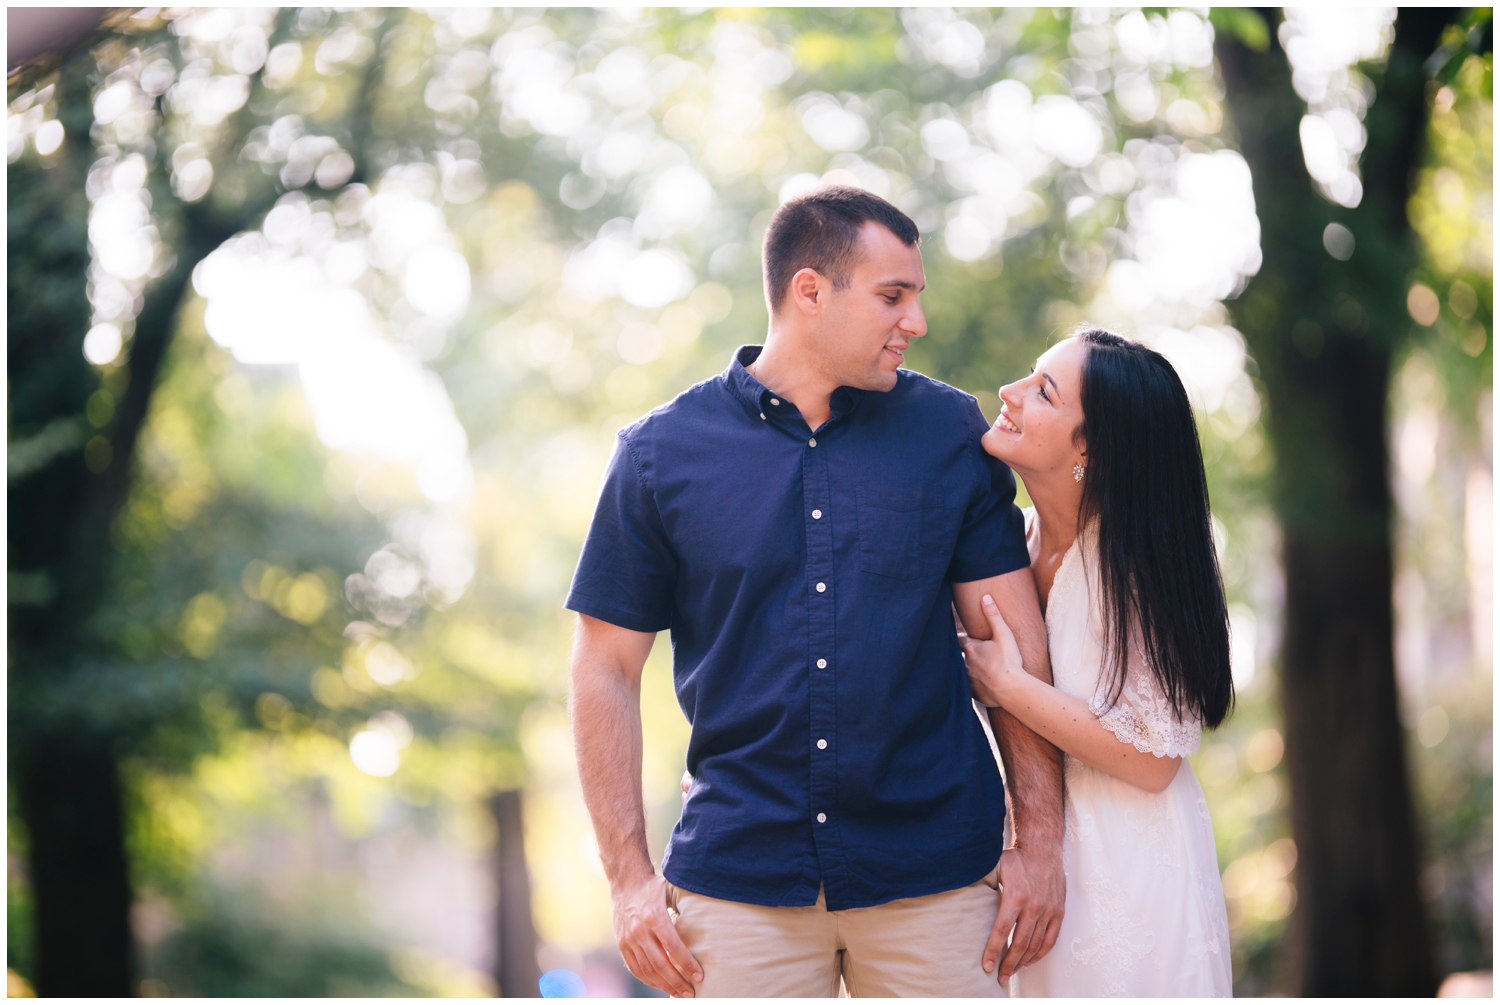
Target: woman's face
<point>1040,413</point>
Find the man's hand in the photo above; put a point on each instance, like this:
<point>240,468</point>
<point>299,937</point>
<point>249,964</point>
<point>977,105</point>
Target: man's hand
<point>606,706</point>
<point>649,942</point>
<point>1031,911</point>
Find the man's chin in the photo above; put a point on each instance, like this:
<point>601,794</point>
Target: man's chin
<point>880,379</point>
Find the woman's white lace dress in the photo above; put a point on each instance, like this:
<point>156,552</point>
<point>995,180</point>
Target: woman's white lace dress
<point>1145,910</point>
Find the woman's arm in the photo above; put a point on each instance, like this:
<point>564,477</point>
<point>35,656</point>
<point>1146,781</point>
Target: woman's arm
<point>998,680</point>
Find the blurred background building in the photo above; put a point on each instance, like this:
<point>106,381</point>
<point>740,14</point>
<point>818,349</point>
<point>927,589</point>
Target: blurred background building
<point>322,322</point>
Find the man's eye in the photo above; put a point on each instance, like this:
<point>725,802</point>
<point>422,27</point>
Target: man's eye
<point>891,298</point>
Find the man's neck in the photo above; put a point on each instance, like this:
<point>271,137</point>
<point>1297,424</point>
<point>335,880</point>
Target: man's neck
<point>788,374</point>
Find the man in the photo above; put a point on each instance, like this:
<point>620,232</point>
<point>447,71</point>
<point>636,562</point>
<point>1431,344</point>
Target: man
<point>804,524</point>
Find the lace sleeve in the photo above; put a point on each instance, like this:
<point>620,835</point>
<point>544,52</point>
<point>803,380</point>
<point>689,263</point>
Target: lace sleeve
<point>1141,715</point>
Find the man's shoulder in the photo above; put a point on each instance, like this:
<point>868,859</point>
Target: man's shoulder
<point>933,397</point>
<point>700,403</point>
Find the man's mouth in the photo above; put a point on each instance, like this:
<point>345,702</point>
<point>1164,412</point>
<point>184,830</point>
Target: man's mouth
<point>1003,422</point>
<point>899,353</point>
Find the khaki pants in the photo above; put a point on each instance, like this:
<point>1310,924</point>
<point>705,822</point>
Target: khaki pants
<point>920,947</point>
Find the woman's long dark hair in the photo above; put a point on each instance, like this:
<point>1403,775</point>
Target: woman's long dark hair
<point>1144,482</point>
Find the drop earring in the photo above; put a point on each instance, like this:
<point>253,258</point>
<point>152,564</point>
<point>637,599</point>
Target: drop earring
<point>1078,472</point>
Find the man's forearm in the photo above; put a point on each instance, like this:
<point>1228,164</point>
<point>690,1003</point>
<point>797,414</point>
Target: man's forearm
<point>606,715</point>
<point>1033,773</point>
<point>1033,767</point>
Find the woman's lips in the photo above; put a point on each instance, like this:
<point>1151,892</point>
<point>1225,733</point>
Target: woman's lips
<point>1004,423</point>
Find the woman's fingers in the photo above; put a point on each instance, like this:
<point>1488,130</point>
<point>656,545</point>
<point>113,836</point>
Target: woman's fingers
<point>998,627</point>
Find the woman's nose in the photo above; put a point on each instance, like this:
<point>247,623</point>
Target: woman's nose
<point>1009,396</point>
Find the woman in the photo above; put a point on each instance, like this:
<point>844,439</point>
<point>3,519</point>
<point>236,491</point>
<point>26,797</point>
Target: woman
<point>1103,437</point>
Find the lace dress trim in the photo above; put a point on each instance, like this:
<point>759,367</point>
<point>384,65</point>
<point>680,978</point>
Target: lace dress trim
<point>1142,716</point>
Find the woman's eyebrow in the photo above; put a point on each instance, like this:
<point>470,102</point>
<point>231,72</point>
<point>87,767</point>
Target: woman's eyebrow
<point>1048,378</point>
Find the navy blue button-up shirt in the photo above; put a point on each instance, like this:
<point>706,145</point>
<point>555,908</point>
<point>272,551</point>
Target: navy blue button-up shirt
<point>805,576</point>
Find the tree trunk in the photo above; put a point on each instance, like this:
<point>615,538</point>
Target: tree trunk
<point>59,520</point>
<point>516,969</point>
<point>1324,334</point>
<point>70,797</point>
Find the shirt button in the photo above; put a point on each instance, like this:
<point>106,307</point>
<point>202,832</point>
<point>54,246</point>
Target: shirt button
<point>822,744</point>
<point>822,664</point>
<point>817,514</point>
<point>822,587</point>
<point>822,818</point>
<point>775,402</point>
<point>813,442</point>
<point>762,415</point>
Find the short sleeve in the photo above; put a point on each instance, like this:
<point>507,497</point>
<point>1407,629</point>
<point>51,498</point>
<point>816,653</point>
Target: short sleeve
<point>627,573</point>
<point>992,538</point>
<point>1141,715</point>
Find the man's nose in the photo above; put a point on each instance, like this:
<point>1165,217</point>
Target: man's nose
<point>914,324</point>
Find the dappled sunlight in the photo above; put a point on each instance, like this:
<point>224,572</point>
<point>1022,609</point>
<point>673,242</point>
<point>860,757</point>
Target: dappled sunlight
<point>432,261</point>
<point>1323,46</point>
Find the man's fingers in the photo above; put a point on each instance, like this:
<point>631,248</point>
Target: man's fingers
<point>1042,946</point>
<point>1054,929</point>
<point>637,966</point>
<point>627,957</point>
<point>1019,943</point>
<point>677,951</point>
<point>994,948</point>
<point>667,977</point>
<point>1004,922</point>
<point>1034,950</point>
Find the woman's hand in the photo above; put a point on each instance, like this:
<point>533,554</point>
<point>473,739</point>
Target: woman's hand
<point>995,668</point>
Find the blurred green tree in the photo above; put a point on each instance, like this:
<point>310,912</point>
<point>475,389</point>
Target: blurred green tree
<point>190,568</point>
<point>1325,317</point>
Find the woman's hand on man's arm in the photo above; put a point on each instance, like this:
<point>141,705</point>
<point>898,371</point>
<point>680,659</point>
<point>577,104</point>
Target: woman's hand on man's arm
<point>997,679</point>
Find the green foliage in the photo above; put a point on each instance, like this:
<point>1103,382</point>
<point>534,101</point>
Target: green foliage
<point>1472,35</point>
<point>20,935</point>
<point>238,951</point>
<point>231,657</point>
<point>1243,23</point>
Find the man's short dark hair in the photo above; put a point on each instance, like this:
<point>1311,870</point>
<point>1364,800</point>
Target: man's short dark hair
<point>820,231</point>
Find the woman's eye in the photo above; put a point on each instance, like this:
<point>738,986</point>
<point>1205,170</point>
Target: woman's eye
<point>1043,392</point>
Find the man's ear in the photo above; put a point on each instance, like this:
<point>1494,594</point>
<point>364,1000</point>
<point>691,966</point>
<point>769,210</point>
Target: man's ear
<point>805,291</point>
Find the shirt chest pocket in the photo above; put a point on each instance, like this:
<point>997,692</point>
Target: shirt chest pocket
<point>906,529</point>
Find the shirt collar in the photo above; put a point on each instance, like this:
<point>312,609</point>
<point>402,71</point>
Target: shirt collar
<point>758,398</point>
